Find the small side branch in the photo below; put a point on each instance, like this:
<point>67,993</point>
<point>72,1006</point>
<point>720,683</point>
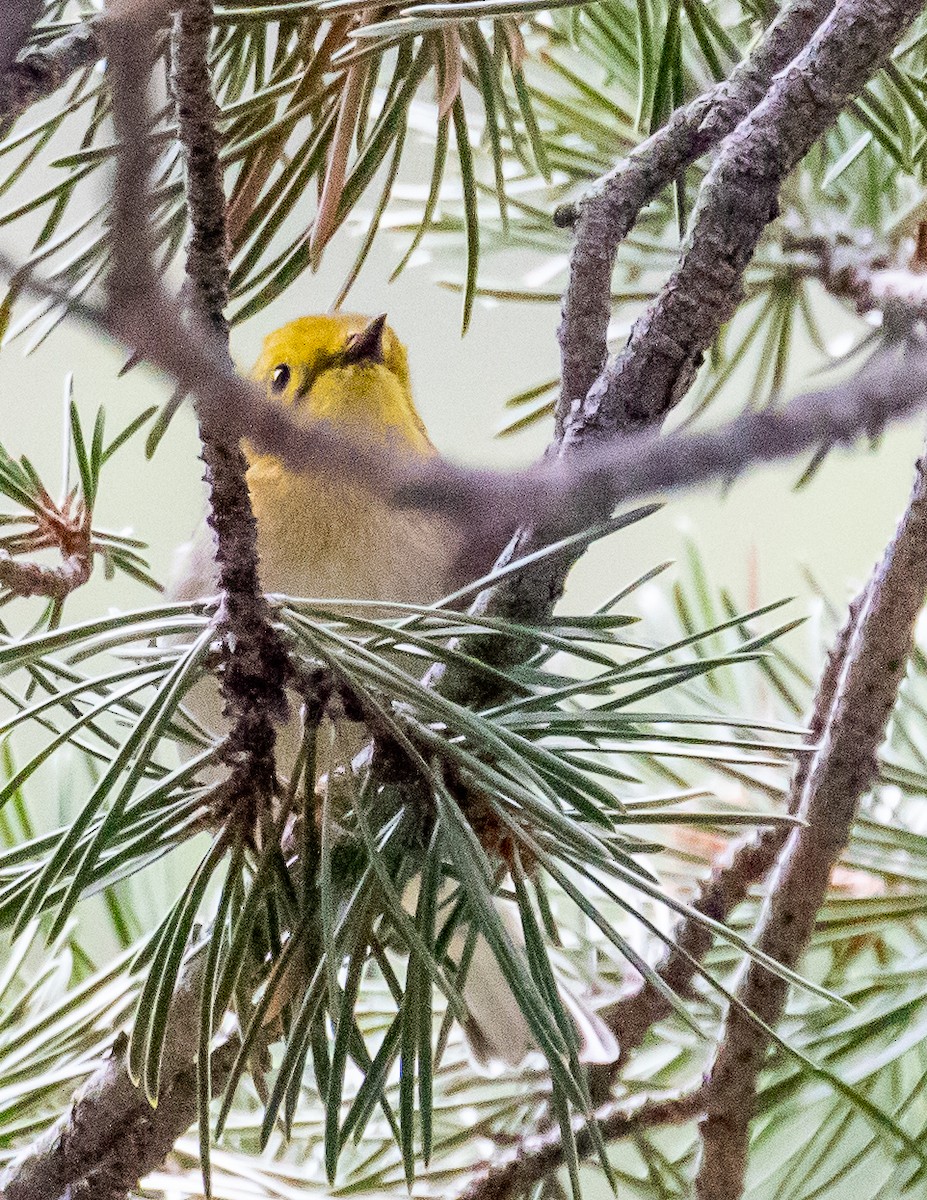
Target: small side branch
<point>538,1157</point>
<point>606,214</point>
<point>37,579</point>
<point>840,772</point>
<point>18,18</point>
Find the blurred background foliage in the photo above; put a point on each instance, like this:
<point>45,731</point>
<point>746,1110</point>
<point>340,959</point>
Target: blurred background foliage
<point>430,144</point>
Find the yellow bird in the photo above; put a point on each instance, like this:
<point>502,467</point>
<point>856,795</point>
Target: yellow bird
<point>323,538</point>
<point>317,536</point>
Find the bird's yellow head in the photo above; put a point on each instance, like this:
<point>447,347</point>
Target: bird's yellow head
<point>344,368</point>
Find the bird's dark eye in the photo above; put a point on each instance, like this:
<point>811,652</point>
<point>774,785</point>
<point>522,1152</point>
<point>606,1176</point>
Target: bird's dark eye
<point>280,377</point>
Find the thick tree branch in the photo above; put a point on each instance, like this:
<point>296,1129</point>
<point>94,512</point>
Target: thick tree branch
<point>605,215</point>
<point>737,202</point>
<point>839,774</point>
<point>33,76</point>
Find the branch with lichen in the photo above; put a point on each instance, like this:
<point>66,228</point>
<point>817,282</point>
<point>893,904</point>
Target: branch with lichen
<point>856,270</point>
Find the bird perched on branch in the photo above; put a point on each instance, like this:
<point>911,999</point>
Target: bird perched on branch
<point>321,537</point>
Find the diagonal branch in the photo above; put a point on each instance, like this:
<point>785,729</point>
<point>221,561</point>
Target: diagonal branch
<point>738,200</point>
<point>605,215</point>
<point>747,863</point>
<point>42,70</point>
<point>538,1157</point>
<point>559,495</point>
<point>839,774</point>
<point>110,1136</point>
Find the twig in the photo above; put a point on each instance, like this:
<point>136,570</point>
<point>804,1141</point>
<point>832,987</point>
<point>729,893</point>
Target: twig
<point>605,215</point>
<point>854,269</point>
<point>42,70</point>
<point>537,1157</point>
<point>110,1136</point>
<point>255,661</point>
<point>37,579</point>
<point>747,863</point>
<point>840,772</point>
<point>18,19</point>
<point>737,202</point>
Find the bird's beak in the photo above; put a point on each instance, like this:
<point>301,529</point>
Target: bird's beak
<point>367,346</point>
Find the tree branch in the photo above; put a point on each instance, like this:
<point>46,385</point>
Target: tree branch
<point>255,662</point>
<point>111,1136</point>
<point>606,214</point>
<point>840,772</point>
<point>33,76</point>
<point>558,495</point>
<point>537,1157</point>
<point>37,579</point>
<point>747,863</point>
<point>737,201</point>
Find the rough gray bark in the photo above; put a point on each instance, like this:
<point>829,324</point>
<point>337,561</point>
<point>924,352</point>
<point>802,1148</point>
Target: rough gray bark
<point>737,202</point>
<point>738,199</point>
<point>110,1136</point>
<point>840,772</point>
<point>605,215</point>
